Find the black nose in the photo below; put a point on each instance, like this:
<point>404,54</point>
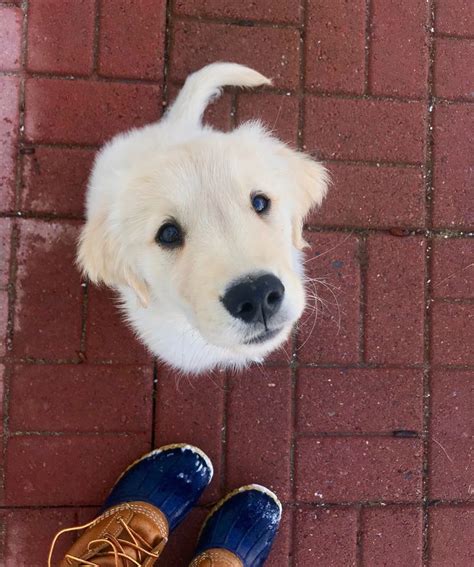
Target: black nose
<point>255,298</point>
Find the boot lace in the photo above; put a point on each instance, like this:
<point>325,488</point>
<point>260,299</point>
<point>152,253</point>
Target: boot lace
<point>143,549</point>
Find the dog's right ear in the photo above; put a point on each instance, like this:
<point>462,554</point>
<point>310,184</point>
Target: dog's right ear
<point>311,184</point>
<point>102,259</point>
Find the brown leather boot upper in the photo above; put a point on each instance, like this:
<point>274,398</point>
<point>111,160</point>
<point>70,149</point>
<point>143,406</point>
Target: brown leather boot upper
<point>127,535</point>
<point>216,558</point>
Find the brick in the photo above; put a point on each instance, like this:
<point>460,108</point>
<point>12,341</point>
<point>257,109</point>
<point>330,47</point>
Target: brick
<point>398,52</point>
<point>335,46</point>
<point>278,112</point>
<point>373,197</point>
<point>132,38</point>
<point>275,49</point>
<point>61,36</point>
<point>392,535</point>
<point>199,403</point>
<point>28,535</point>
<point>44,469</point>
<point>218,114</point>
<point>451,451</point>
<point>452,77</point>
<point>453,205</point>
<point>335,401</point>
<point>9,125</point>
<point>106,109</point>
<point>47,321</point>
<point>55,180</point>
<point>450,331</point>
<point>284,11</point>
<point>265,429</point>
<point>370,130</point>
<point>326,537</point>
<point>11,21</point>
<point>454,17</point>
<point>331,335</point>
<point>3,322</point>
<point>106,398</point>
<point>395,299</point>
<point>109,337</point>
<point>453,268</point>
<point>5,243</point>
<point>352,469</point>
<point>451,536</point>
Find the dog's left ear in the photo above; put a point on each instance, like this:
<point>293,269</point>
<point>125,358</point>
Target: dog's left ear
<point>102,258</point>
<point>311,185</point>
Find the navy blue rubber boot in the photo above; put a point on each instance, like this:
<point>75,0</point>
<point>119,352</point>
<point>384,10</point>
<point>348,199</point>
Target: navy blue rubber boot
<point>244,523</point>
<point>171,478</point>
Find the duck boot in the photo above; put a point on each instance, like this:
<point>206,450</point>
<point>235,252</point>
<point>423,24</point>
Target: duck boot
<point>240,530</point>
<point>148,501</point>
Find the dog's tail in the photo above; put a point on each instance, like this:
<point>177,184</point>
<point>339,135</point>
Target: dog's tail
<point>204,85</point>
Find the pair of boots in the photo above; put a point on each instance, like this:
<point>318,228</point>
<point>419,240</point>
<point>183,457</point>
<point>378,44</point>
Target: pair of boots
<point>153,496</point>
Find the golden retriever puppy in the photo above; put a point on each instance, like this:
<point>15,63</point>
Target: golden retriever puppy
<point>200,230</point>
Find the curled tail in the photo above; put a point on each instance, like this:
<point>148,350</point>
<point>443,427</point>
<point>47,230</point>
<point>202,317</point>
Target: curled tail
<point>204,85</point>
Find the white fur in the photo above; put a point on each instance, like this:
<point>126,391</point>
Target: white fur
<point>202,178</point>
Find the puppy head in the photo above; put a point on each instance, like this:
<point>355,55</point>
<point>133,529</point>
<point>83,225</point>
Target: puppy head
<point>205,227</point>
<point>211,229</point>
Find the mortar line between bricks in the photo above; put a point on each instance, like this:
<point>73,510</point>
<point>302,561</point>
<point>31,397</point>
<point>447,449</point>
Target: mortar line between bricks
<point>83,434</point>
<point>367,47</point>
<point>96,78</point>
<point>29,146</point>
<point>427,285</point>
<point>95,45</point>
<point>363,260</point>
<point>166,55</point>
<point>25,215</point>
<point>71,362</point>
<point>395,434</point>
<point>24,55</point>
<point>238,22</point>
<point>84,315</point>
<point>12,275</point>
<point>407,231</point>
<point>441,232</point>
<point>359,537</point>
<point>321,366</point>
<point>154,403</point>
<point>289,505</point>
<point>293,441</point>
<point>224,434</point>
<point>93,78</point>
<point>294,341</point>
<point>104,79</point>
<point>453,36</point>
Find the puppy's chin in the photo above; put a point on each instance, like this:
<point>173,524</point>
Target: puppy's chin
<point>263,346</point>
<point>252,346</point>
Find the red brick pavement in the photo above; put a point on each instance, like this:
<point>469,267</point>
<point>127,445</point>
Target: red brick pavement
<point>363,424</point>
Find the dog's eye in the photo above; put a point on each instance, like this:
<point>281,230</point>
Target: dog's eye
<point>169,235</point>
<point>260,203</point>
